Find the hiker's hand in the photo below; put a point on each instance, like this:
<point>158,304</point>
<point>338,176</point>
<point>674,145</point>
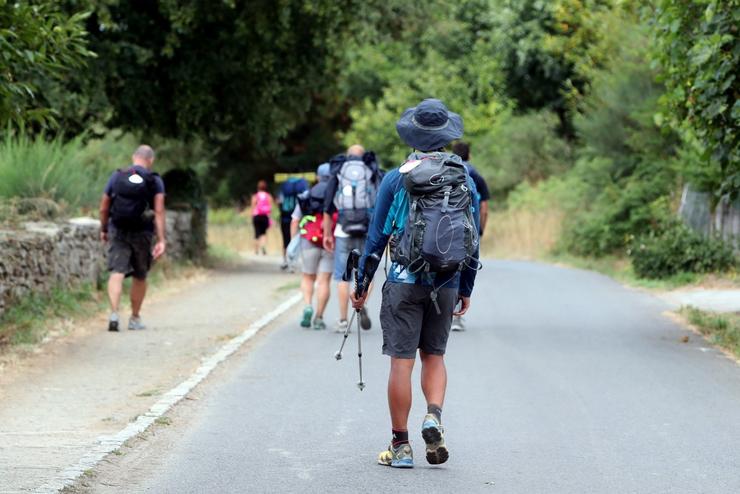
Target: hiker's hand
<point>329,243</point>
<point>464,305</point>
<point>159,249</point>
<point>103,236</point>
<point>357,302</point>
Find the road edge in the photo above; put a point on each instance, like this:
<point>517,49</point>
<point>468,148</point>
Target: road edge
<point>107,444</point>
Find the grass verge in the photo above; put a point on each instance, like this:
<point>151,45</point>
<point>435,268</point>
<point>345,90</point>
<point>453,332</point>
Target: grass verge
<point>533,234</point>
<point>620,269</point>
<point>722,330</point>
<point>24,323</point>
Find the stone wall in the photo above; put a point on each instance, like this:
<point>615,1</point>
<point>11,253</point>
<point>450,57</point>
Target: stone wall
<point>38,256</point>
<point>724,220</point>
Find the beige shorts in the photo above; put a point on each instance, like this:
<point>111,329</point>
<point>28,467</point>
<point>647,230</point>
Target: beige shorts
<point>315,259</point>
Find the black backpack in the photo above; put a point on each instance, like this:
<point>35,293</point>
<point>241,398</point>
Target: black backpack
<point>312,200</point>
<point>440,234</point>
<point>132,199</point>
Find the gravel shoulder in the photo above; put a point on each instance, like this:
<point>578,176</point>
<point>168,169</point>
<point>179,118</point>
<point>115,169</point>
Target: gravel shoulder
<point>55,403</point>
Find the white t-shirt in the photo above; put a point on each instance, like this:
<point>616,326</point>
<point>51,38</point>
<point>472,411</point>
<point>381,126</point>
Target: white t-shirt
<point>339,232</point>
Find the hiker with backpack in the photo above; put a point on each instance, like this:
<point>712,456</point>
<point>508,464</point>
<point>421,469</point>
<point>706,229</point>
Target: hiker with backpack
<point>287,201</point>
<point>351,193</point>
<point>261,206</point>
<point>427,212</point>
<point>317,262</point>
<point>131,210</point>
<point>462,149</point>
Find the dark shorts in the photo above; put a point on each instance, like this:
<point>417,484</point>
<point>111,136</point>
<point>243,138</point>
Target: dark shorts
<point>410,321</point>
<point>261,223</point>
<point>285,229</point>
<point>130,253</point>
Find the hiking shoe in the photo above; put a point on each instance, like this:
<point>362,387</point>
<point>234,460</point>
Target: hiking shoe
<point>365,322</point>
<point>113,322</point>
<point>458,324</point>
<point>135,323</point>
<point>307,315</point>
<point>401,457</point>
<point>319,324</point>
<point>434,437</point>
<point>341,326</point>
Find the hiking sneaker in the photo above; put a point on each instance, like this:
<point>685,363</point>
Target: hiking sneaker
<point>319,324</point>
<point>401,457</point>
<point>341,326</point>
<point>135,323</point>
<point>458,324</point>
<point>113,322</point>
<point>365,322</point>
<point>307,315</point>
<point>434,437</point>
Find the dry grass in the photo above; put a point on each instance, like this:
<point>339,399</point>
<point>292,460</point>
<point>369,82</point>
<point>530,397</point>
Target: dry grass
<point>521,233</point>
<point>240,238</point>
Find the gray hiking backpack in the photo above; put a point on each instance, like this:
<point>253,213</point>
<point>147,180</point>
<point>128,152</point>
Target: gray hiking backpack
<point>355,198</point>
<point>440,234</point>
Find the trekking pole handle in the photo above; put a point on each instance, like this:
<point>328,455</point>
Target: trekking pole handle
<point>371,265</point>
<point>353,261</point>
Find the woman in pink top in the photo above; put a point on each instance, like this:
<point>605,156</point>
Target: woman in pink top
<point>261,210</point>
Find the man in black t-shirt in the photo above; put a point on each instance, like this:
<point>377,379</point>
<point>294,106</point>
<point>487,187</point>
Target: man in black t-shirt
<point>462,149</point>
<point>131,211</point>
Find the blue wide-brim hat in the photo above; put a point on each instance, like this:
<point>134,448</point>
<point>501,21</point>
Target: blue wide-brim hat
<point>429,125</point>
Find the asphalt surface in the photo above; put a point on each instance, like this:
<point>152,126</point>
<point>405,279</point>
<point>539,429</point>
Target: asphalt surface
<point>565,382</point>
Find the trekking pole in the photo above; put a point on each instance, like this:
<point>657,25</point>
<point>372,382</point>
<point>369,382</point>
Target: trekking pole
<point>371,265</point>
<point>352,262</point>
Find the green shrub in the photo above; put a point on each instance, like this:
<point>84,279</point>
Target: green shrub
<point>524,148</point>
<point>679,249</point>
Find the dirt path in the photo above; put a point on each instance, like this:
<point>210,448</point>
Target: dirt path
<point>54,405</point>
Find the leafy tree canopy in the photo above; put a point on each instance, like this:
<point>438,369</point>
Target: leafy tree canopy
<point>39,42</point>
<point>697,46</point>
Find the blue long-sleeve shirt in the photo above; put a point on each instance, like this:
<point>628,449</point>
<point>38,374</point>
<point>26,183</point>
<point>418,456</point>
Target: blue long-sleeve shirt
<point>389,218</point>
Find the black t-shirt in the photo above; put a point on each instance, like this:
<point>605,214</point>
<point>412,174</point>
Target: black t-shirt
<point>480,183</point>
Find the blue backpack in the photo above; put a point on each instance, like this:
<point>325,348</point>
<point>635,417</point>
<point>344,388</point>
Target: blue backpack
<point>290,191</point>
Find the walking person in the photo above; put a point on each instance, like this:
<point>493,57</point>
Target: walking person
<point>433,268</point>
<point>131,210</point>
<point>462,149</point>
<point>287,201</point>
<point>351,193</point>
<point>261,209</point>
<point>317,262</point>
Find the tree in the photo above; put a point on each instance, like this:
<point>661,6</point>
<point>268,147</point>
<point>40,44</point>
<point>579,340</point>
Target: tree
<point>698,50</point>
<point>39,43</point>
<point>546,51</point>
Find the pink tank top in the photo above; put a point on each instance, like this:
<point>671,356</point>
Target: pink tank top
<point>263,206</point>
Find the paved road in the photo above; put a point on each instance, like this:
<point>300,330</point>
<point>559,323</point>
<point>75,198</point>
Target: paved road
<point>566,382</point>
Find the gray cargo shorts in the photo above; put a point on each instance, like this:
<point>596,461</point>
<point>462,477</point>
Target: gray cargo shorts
<point>315,259</point>
<point>130,253</point>
<point>410,321</point>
